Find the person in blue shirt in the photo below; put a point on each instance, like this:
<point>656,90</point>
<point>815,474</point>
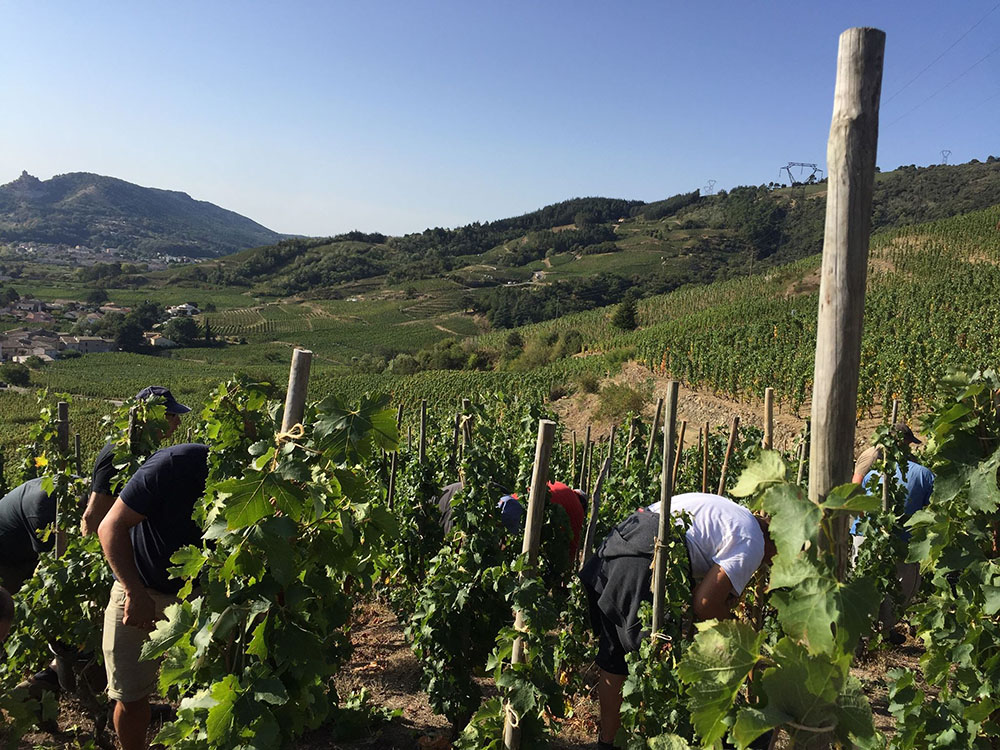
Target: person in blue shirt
<point>919,484</point>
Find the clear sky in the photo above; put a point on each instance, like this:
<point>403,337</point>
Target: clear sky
<point>321,117</point>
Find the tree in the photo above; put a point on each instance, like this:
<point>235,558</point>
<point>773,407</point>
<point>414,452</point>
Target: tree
<point>97,296</point>
<point>15,374</point>
<point>208,333</point>
<point>183,331</point>
<point>8,295</point>
<point>626,315</point>
<point>35,362</point>
<point>128,336</point>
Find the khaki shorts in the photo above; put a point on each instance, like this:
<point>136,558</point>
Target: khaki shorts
<point>128,678</point>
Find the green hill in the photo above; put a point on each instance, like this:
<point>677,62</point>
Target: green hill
<point>87,209</point>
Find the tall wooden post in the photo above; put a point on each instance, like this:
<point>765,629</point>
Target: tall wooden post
<point>652,431</point>
<point>466,424</point>
<point>298,384</point>
<point>422,437</point>
<point>532,537</point>
<point>768,443</point>
<point>704,461</point>
<point>733,430</point>
<point>611,441</point>
<point>572,456</point>
<point>78,455</point>
<point>666,495</point>
<point>590,468</point>
<point>851,170</point>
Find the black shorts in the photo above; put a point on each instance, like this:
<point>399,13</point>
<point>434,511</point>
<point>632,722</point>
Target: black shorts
<point>610,651</point>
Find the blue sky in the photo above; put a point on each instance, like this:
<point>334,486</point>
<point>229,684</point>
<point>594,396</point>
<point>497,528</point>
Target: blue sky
<point>321,117</point>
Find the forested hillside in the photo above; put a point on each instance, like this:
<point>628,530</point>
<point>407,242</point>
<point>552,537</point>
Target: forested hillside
<point>586,252</point>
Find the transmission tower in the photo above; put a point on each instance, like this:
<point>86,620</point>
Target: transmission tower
<point>801,165</point>
<point>945,153</point>
<point>710,188</point>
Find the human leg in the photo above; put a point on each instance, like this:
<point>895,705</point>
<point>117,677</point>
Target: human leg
<point>131,721</point>
<point>609,694</point>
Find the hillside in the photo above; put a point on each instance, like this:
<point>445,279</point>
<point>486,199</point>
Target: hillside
<point>586,252</point>
<point>95,211</point>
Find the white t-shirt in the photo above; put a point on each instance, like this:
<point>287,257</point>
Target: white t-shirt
<point>721,533</point>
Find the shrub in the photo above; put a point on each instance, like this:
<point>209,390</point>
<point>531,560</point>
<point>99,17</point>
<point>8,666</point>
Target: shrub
<point>618,399</point>
<point>588,382</point>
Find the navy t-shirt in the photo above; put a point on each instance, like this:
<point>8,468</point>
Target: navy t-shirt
<point>24,511</point>
<point>165,490</point>
<point>102,480</point>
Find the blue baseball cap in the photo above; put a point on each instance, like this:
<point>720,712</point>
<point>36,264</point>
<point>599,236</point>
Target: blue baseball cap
<point>173,406</point>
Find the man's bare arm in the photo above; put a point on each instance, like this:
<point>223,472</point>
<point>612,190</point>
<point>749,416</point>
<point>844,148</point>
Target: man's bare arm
<point>116,542</point>
<point>97,508</point>
<point>713,597</point>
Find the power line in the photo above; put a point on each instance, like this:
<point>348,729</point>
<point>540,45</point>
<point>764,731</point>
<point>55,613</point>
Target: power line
<point>953,80</point>
<point>932,62</point>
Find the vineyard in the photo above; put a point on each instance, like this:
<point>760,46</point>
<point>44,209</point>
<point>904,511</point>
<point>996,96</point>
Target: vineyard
<point>366,527</point>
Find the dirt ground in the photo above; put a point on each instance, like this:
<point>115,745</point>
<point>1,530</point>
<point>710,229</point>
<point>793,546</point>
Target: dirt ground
<point>696,406</point>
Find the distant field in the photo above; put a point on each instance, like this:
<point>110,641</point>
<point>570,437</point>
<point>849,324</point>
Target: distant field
<point>75,290</point>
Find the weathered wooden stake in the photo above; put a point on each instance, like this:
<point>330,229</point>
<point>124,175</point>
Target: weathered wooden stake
<point>652,431</point>
<point>532,536</point>
<point>583,459</point>
<point>733,430</point>
<point>803,452</point>
<point>298,385</point>
<point>680,453</point>
<point>628,442</point>
<point>768,443</point>
<point>595,506</point>
<point>704,461</point>
<point>590,469</point>
<point>611,441</point>
<point>885,456</point>
<point>62,435</point>
<point>422,437</point>
<point>850,160</point>
<point>666,495</point>
<point>572,456</point>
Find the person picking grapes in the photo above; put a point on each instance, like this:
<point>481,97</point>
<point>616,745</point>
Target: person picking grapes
<point>150,520</point>
<point>726,544</point>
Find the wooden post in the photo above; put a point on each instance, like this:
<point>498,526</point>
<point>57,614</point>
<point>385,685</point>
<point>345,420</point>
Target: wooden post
<point>611,441</point>
<point>409,437</point>
<point>628,442</point>
<point>885,457</point>
<point>851,170</point>
<point>532,536</point>
<point>466,424</point>
<point>62,434</point>
<point>803,452</point>
<point>62,427</point>
<point>422,437</point>
<point>583,459</point>
<point>704,461</point>
<point>595,507</point>
<point>733,430</point>
<point>391,489</point>
<point>768,419</point>
<point>78,455</point>
<point>454,438</point>
<point>666,496</point>
<point>652,431</point>
<point>298,384</point>
<point>572,457</point>
<point>680,452</point>
<point>590,469</point>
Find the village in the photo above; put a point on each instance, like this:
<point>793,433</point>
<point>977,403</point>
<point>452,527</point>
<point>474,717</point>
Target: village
<point>50,330</point>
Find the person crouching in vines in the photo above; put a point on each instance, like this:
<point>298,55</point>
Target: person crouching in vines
<point>725,542</point>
